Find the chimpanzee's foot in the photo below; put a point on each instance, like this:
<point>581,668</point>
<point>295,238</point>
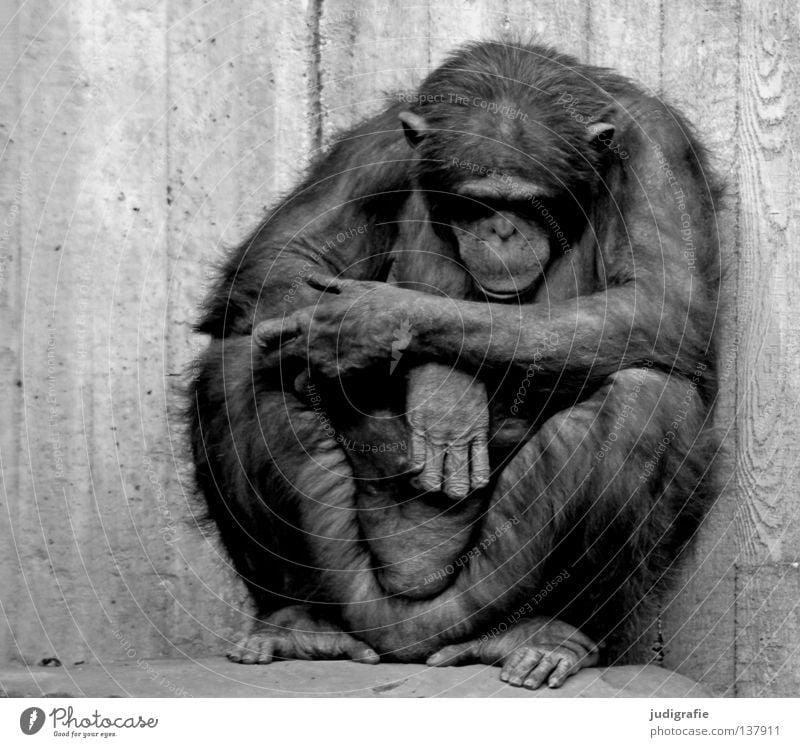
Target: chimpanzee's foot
<point>532,652</point>
<point>296,633</point>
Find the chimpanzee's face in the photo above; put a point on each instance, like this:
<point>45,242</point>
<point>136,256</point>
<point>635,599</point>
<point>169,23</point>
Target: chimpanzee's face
<point>503,243</point>
<point>506,223</point>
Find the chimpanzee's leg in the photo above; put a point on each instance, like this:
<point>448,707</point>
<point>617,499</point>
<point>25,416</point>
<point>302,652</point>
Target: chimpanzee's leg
<point>264,458</point>
<point>584,524</point>
<point>252,449</point>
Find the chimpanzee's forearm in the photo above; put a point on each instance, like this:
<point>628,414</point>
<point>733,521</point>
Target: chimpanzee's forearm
<point>583,339</point>
<point>340,221</point>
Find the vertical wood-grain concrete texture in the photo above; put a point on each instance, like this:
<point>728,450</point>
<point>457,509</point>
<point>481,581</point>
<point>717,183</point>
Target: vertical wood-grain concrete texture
<point>140,139</point>
<point>700,75</point>
<point>766,517</point>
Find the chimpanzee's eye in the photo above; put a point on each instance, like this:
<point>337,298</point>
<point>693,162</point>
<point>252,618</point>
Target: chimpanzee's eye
<point>463,209</point>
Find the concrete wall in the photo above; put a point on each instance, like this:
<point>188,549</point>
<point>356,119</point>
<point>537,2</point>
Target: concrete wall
<point>141,138</point>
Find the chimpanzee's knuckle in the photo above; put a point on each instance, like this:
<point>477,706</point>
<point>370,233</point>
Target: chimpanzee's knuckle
<point>551,659</point>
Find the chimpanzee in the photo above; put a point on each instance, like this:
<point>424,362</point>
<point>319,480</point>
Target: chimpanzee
<point>456,399</point>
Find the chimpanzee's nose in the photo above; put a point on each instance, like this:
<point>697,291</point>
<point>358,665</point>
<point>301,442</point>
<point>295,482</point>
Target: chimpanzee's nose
<point>502,226</point>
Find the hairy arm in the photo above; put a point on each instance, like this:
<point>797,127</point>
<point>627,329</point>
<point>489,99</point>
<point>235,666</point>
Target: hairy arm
<point>656,256</point>
<point>341,220</point>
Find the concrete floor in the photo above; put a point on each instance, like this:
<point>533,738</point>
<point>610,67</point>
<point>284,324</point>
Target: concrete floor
<point>217,677</point>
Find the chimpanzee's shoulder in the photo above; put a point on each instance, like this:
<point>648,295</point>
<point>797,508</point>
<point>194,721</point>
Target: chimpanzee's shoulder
<point>649,125</point>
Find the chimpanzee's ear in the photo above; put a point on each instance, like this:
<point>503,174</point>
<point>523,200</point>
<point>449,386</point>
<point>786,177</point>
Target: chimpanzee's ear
<point>414,127</point>
<point>600,133</point>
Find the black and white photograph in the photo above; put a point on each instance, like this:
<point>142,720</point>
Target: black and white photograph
<point>380,351</point>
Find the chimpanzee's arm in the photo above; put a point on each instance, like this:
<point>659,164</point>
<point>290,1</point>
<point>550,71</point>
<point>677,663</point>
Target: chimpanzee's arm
<point>341,220</point>
<point>657,259</point>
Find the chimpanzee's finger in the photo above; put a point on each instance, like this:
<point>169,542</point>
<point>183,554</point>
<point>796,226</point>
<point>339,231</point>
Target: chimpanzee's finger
<point>326,283</point>
<point>274,332</point>
<point>541,672</point>
<point>481,471</point>
<point>431,477</point>
<point>417,452</point>
<point>235,652</point>
<point>520,664</point>
<point>565,668</point>
<point>266,651</point>
<point>358,651</point>
<point>460,653</point>
<point>456,471</point>
<point>583,640</point>
<point>248,650</point>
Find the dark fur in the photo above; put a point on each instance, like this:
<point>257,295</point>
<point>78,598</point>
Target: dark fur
<point>297,525</point>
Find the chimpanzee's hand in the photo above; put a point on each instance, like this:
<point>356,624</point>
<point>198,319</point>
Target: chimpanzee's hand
<point>448,413</point>
<point>531,652</point>
<point>355,325</point>
<point>295,632</point>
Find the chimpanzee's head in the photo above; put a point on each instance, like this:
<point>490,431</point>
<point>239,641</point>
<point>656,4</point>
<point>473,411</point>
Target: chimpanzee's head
<point>508,162</point>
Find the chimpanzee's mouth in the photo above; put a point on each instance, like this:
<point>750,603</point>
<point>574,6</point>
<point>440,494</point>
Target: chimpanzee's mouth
<point>501,295</point>
<point>519,294</point>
